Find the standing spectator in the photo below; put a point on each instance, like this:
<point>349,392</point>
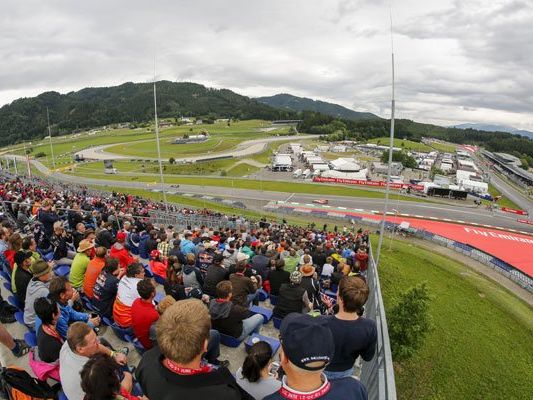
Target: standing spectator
<point>64,294</point>
<point>94,268</point>
<point>353,335</point>
<point>362,257</point>
<point>254,375</point>
<point>153,240</point>
<point>186,245</point>
<point>99,380</point>
<point>172,370</point>
<point>215,273</point>
<point>306,348</point>
<point>244,288</point>
<point>38,287</point>
<point>120,252</point>
<point>163,246</point>
<point>232,319</point>
<point>106,287</point>
<point>337,275</point>
<point>143,312</point>
<point>278,277</point>
<point>80,263</point>
<point>47,216</point>
<point>311,285</point>
<point>192,277</point>
<point>81,344</point>
<point>291,262</point>
<point>126,294</point>
<point>22,275</point>
<point>292,297</point>
<point>205,257</point>
<point>328,268</point>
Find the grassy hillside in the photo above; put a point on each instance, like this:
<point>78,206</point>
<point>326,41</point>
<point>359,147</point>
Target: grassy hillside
<point>481,345</point>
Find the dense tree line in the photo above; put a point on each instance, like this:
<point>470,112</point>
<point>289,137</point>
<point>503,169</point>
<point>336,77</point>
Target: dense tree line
<point>25,118</point>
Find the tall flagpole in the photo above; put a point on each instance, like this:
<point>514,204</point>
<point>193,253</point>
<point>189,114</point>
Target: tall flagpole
<point>50,137</point>
<point>158,147</point>
<point>391,145</point>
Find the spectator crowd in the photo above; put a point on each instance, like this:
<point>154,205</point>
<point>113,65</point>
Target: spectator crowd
<point>79,260</point>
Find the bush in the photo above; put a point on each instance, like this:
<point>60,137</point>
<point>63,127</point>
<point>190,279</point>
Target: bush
<point>409,322</point>
<point>40,155</point>
<point>223,172</point>
<point>171,160</point>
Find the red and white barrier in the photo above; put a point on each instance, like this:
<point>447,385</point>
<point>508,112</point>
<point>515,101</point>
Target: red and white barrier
<point>363,182</point>
<point>512,210</point>
<point>525,221</point>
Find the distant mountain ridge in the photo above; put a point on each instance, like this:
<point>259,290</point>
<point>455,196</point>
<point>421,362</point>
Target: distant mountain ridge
<point>295,103</point>
<point>496,128</point>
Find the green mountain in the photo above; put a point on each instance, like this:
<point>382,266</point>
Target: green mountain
<point>25,118</point>
<point>294,103</point>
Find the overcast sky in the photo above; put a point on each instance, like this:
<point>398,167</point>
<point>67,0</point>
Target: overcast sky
<point>456,61</point>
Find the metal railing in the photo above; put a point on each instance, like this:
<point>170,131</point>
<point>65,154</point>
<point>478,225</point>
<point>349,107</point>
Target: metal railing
<point>378,374</point>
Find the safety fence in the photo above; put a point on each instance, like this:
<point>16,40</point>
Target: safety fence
<point>378,374</point>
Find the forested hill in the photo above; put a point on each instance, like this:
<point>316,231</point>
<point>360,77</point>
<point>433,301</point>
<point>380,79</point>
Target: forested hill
<point>25,118</point>
<point>294,103</point>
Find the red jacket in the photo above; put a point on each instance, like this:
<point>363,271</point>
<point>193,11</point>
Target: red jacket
<point>143,315</point>
<point>119,252</point>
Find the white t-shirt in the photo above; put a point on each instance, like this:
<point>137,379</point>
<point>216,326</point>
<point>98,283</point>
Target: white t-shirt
<point>70,366</point>
<point>327,270</point>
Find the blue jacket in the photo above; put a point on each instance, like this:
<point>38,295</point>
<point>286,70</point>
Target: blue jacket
<point>69,315</point>
<point>186,247</point>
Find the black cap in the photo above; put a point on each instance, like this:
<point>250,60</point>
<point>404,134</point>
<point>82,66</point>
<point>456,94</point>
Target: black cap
<point>218,258</point>
<point>306,340</point>
<point>21,256</point>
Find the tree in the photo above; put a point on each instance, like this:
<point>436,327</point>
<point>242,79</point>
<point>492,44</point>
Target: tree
<point>400,156</point>
<point>171,160</point>
<point>409,322</point>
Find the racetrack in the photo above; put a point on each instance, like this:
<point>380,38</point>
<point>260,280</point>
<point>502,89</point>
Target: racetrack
<point>244,149</point>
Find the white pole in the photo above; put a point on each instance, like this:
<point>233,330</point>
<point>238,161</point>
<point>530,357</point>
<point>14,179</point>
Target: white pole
<point>391,145</point>
<point>50,137</point>
<point>158,147</point>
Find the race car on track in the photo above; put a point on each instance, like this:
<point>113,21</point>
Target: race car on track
<point>320,201</point>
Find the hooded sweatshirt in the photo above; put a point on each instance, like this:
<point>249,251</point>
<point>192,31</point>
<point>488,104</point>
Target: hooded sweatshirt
<point>227,317</point>
<point>192,277</point>
<point>36,289</point>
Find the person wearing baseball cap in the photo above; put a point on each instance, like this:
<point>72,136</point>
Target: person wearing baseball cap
<point>292,298</point>
<point>306,349</point>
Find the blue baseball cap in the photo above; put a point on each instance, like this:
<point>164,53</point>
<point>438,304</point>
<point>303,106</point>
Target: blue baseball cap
<point>306,340</point>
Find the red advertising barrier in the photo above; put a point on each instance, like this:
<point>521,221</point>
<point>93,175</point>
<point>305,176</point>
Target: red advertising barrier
<point>525,221</point>
<point>363,182</point>
<point>512,210</point>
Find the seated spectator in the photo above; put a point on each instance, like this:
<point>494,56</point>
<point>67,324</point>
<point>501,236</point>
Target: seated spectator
<point>353,335</point>
<point>143,312</point>
<point>173,370</point>
<point>94,268</point>
<point>306,349</point>
<point>192,277</point>
<point>328,268</point>
<point>49,341</point>
<point>261,263</point>
<point>205,257</point>
<point>29,244</point>
<point>59,241</point>
<point>38,287</point>
<point>292,297</point>
<point>311,285</point>
<point>99,380</point>
<point>163,246</point>
<point>23,275</point>
<point>79,234</point>
<point>126,294</point>
<point>244,288</point>
<point>120,252</point>
<point>277,277</point>
<point>291,261</point>
<point>337,275</point>
<point>254,376</point>
<point>14,245</point>
<point>232,319</point>
<point>64,294</point>
<point>174,280</point>
<point>176,252</point>
<point>215,273</point>
<point>157,265</point>
<point>80,263</point>
<point>81,344</point>
<point>106,287</point>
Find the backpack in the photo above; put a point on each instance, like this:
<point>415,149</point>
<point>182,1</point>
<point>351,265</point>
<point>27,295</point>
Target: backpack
<point>17,384</point>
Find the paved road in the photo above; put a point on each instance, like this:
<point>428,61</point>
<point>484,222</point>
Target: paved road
<point>243,149</point>
<point>460,213</point>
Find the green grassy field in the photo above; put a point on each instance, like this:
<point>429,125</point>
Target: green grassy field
<point>276,186</point>
<point>444,147</point>
<point>242,170</point>
<point>407,144</point>
<point>504,201</point>
<point>481,345</point>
